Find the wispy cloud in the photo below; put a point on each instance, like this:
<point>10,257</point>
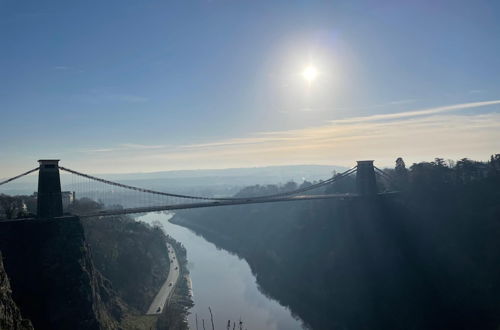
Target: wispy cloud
<point>98,150</point>
<point>390,104</point>
<point>421,112</point>
<point>141,146</point>
<point>61,67</point>
<point>99,97</point>
<point>416,135</point>
<point>67,69</point>
<point>123,147</point>
<point>125,98</point>
<point>399,102</point>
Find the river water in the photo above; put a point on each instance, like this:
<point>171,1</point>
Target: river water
<point>225,283</point>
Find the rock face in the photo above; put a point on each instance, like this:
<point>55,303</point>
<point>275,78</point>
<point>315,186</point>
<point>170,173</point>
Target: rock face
<point>53,280</point>
<point>10,316</point>
<point>131,255</point>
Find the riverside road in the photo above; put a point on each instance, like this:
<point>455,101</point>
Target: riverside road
<point>168,287</point>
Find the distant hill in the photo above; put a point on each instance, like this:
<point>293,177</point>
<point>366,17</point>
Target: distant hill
<point>285,172</point>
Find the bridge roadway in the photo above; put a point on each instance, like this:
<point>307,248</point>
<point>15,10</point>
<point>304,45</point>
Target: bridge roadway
<point>216,203</point>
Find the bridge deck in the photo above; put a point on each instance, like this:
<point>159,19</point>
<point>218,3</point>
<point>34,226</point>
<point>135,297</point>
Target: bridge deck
<point>216,203</point>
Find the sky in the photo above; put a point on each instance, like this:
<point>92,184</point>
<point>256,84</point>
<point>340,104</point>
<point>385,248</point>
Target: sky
<point>148,85</point>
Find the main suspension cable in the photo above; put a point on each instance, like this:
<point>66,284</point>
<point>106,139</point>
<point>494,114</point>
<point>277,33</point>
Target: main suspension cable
<point>393,182</point>
<point>19,176</point>
<point>383,173</point>
<point>149,191</point>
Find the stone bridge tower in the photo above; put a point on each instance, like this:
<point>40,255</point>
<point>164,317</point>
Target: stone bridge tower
<point>366,184</point>
<point>49,199</point>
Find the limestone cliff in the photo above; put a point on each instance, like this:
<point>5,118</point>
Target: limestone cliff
<point>10,316</point>
<point>53,280</point>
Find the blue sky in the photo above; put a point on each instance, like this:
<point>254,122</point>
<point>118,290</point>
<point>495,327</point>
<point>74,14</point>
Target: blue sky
<point>130,86</point>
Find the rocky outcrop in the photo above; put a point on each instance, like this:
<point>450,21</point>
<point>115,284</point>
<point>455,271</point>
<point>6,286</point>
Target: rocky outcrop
<point>10,316</point>
<point>53,280</point>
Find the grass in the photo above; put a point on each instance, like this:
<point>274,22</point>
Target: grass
<point>139,322</point>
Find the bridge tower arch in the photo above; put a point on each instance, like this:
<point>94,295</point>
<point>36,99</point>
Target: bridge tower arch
<point>49,198</point>
<point>366,184</point>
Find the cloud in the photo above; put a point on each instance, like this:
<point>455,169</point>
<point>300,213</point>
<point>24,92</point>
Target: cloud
<point>61,67</point>
<point>128,98</point>
<point>124,147</point>
<point>100,97</point>
<point>141,146</point>
<point>452,136</point>
<point>389,104</point>
<point>99,150</point>
<point>67,68</point>
<point>415,135</point>
<point>399,102</point>
<point>339,127</point>
<point>421,112</point>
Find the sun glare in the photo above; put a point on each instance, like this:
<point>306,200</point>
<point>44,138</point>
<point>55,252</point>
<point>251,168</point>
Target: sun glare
<point>310,73</point>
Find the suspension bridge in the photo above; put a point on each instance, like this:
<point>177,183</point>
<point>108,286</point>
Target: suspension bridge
<point>51,200</point>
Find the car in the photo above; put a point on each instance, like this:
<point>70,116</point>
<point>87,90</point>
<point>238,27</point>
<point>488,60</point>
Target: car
<point>176,268</point>
<point>158,310</point>
<point>170,284</point>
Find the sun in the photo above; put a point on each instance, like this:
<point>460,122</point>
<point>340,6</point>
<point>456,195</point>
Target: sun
<point>310,73</point>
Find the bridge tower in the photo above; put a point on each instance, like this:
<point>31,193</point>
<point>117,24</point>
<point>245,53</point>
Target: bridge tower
<point>365,178</point>
<point>49,198</point>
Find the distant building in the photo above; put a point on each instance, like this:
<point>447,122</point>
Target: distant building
<point>24,207</point>
<point>68,197</point>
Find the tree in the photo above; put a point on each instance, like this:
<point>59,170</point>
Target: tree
<point>439,162</point>
<point>494,165</point>
<point>13,207</point>
<point>468,170</point>
<point>401,173</point>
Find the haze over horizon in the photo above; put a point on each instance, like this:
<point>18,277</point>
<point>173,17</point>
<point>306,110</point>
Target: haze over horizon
<point>127,86</point>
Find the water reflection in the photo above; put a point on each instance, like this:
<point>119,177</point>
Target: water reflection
<point>225,283</point>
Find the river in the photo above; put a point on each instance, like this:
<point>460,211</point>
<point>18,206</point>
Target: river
<point>224,282</point>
